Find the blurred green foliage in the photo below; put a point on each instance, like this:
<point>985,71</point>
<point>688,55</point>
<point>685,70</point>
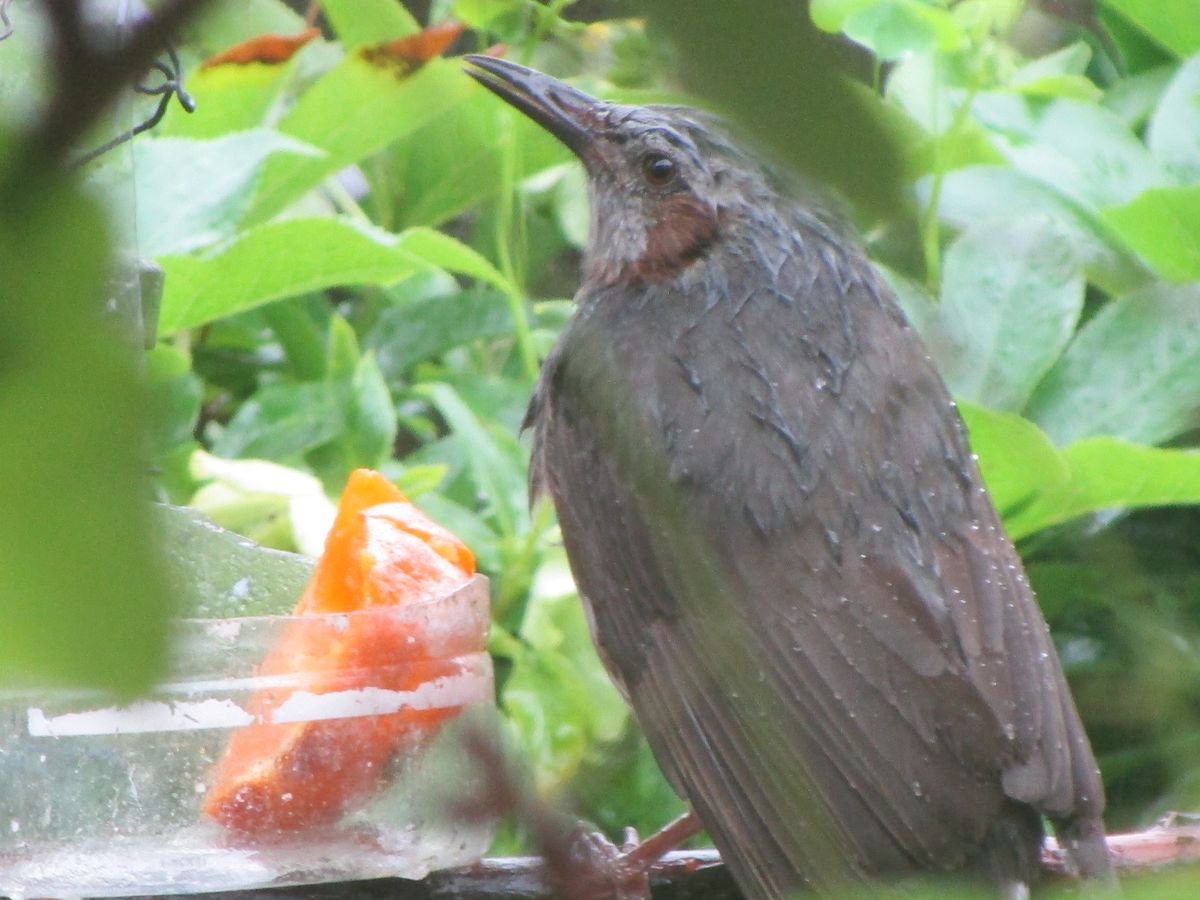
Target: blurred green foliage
<point>365,264</point>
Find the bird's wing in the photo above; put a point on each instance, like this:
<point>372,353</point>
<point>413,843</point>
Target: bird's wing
<point>824,634</point>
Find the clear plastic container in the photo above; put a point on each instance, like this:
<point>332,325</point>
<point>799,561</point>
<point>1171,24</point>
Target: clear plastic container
<point>281,750</point>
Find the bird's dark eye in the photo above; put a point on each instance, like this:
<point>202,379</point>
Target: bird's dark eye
<point>658,169</point>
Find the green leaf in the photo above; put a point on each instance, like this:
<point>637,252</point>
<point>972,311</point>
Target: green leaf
<point>456,159</point>
<point>558,696</point>
<point>828,15</point>
<point>282,421</point>
<point>1108,473</point>
<point>440,249</point>
<point>1174,132</point>
<point>481,13</point>
<point>418,480</point>
<point>1044,140</point>
<point>1036,486</point>
<point>1072,59</point>
<point>82,591</point>
<point>354,110</point>
<point>1133,371</point>
<point>175,395</point>
<point>978,193</point>
<point>1172,23</point>
<point>919,306</point>
<point>1133,99</point>
<point>1017,460</point>
<point>191,192</point>
<point>283,507</point>
<point>230,99</point>
<point>227,22</point>
<point>1163,226</point>
<point>1012,292</point>
<point>426,327</point>
<point>358,22</point>
<point>371,418</point>
<point>812,117</point>
<point>499,479</point>
<point>277,260</point>
<point>1072,87</point>
<point>896,28</point>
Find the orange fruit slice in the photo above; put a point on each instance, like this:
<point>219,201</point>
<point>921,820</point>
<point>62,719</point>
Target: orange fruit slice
<point>278,777</point>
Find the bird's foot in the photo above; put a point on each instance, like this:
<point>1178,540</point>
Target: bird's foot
<point>609,873</point>
<point>604,871</point>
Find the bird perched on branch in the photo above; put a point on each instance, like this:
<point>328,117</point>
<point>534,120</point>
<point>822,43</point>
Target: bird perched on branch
<point>790,564</point>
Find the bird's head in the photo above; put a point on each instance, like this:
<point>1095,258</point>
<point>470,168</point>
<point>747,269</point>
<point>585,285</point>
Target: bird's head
<point>662,180</point>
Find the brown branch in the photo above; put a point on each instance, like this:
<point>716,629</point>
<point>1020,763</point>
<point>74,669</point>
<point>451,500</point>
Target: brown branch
<point>1173,841</point>
<point>689,874</point>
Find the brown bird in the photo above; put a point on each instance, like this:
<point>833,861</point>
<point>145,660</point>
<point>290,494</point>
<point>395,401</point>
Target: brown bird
<point>790,563</point>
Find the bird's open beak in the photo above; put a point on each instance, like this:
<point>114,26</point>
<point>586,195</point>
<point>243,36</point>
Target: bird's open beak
<point>568,114</point>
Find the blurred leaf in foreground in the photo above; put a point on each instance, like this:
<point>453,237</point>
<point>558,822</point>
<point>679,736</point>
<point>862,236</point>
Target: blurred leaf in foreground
<point>82,594</point>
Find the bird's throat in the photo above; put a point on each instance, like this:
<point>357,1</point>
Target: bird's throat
<point>682,232</point>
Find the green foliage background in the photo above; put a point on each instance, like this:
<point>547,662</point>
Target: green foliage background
<point>364,266</point>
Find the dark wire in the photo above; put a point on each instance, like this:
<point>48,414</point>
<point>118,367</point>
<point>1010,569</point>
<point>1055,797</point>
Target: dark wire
<point>6,27</point>
<point>171,86</point>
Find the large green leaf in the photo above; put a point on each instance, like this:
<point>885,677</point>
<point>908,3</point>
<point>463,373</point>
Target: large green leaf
<point>440,249</point>
<point>1163,226</point>
<point>358,22</point>
<point>409,331</point>
<point>814,119</point>
<point>191,192</point>
<point>1044,140</point>
<point>1133,371</point>
<point>224,23</point>
<point>1035,486</point>
<point>1018,462</point>
<point>1172,23</point>
<point>1058,74</point>
<point>282,421</point>
<point>1012,291</point>
<point>456,159</point>
<point>978,193</point>
<point>276,260</point>
<point>1107,473</point>
<point>1134,99</point>
<point>231,98</point>
<point>82,594</point>
<point>1174,132</point>
<point>894,29</point>
<point>354,110</point>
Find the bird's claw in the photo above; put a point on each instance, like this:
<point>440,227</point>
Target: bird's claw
<point>604,871</point>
